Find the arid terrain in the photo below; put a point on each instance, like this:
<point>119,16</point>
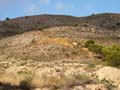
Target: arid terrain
<point>47,52</point>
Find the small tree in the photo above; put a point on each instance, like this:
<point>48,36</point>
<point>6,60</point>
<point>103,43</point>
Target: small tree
<point>7,18</point>
<point>76,25</point>
<point>118,23</point>
<point>25,84</point>
<point>96,48</point>
<point>92,14</point>
<point>85,25</point>
<point>26,17</point>
<point>112,55</point>
<point>88,43</point>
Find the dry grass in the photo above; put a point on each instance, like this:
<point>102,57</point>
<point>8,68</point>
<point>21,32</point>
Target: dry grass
<point>50,82</point>
<point>61,41</point>
<point>14,76</point>
<point>90,54</point>
<point>49,78</point>
<point>11,78</point>
<point>61,82</point>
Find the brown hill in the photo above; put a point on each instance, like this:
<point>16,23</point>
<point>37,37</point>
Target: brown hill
<point>52,55</point>
<point>18,25</point>
<point>106,20</point>
<point>27,23</point>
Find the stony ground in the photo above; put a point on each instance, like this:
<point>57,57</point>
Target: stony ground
<point>56,59</point>
<point>66,74</point>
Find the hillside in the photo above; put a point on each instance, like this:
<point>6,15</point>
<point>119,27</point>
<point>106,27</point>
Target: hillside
<point>28,23</point>
<point>47,52</point>
<point>106,20</point>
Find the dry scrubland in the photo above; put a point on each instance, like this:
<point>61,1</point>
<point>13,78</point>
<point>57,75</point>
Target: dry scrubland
<point>56,59</point>
<point>51,53</point>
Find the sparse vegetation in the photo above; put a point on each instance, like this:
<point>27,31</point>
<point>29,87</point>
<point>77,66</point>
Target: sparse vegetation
<point>118,23</point>
<point>85,25</point>
<point>112,55</point>
<point>76,25</point>
<point>60,41</point>
<point>59,52</point>
<point>26,17</point>
<point>96,48</point>
<point>41,27</point>
<point>93,14</point>
<point>7,18</point>
<point>108,84</point>
<point>25,84</point>
<point>91,65</point>
<point>89,43</point>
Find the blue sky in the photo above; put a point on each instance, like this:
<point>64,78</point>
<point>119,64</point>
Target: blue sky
<point>17,8</point>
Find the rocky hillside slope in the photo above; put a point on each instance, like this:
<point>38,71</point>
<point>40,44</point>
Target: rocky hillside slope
<point>54,57</point>
<point>18,25</point>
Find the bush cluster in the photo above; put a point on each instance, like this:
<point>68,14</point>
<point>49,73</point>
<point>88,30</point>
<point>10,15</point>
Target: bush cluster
<point>7,18</point>
<point>111,54</point>
<point>95,48</point>
<point>89,42</point>
<point>92,46</point>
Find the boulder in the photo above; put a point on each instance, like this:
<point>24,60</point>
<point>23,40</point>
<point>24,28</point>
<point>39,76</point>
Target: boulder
<point>110,74</point>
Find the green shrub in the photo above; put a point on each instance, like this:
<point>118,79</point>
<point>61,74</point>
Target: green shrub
<point>7,18</point>
<point>93,47</point>
<point>90,64</point>
<point>25,84</point>
<point>88,43</point>
<point>118,23</point>
<point>76,25</point>
<point>112,55</point>
<point>26,17</point>
<point>96,48</point>
<point>93,14</point>
<point>86,25</point>
<point>40,27</point>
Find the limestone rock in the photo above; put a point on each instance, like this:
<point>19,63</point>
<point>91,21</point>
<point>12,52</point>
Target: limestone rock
<point>109,73</point>
<point>96,87</point>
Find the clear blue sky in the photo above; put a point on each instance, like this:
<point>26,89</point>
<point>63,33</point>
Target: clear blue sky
<point>17,8</point>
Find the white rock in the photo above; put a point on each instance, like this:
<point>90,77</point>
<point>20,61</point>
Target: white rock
<point>110,74</point>
<point>74,71</point>
<point>118,87</point>
<point>78,88</point>
<point>96,87</point>
<point>74,43</point>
